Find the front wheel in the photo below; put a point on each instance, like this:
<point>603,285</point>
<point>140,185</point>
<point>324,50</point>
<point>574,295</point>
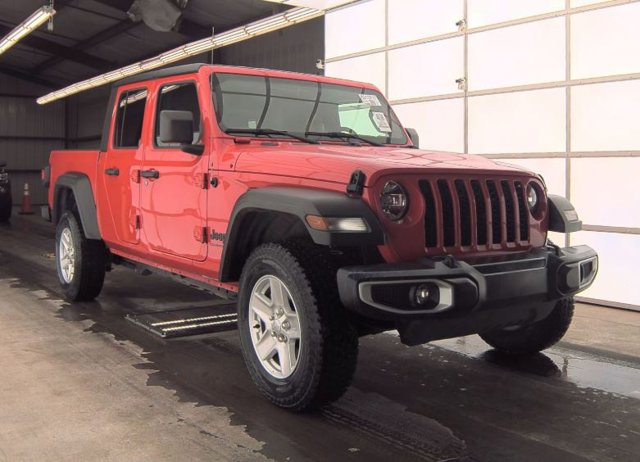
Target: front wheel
<point>81,262</point>
<point>535,337</point>
<point>297,342</point>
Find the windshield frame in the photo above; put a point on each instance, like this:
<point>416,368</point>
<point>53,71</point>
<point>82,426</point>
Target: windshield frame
<point>320,81</point>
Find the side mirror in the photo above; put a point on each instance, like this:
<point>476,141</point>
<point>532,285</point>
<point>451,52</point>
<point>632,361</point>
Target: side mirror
<point>176,127</point>
<point>413,135</point>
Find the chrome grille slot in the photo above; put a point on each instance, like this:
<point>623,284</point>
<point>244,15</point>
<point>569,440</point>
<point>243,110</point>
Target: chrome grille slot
<point>481,212</point>
<point>509,211</point>
<point>496,229</point>
<point>522,209</point>
<point>465,213</point>
<point>430,223</point>
<point>448,225</point>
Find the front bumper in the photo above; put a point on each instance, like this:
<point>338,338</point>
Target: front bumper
<point>467,297</point>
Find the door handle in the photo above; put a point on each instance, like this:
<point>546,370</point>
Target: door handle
<point>150,174</point>
<point>112,171</point>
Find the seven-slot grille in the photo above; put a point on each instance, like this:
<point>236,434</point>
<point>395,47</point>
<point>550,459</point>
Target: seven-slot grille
<point>475,213</point>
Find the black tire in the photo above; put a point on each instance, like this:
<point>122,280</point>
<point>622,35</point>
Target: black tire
<point>329,343</point>
<point>534,337</point>
<point>89,262</point>
<point>5,209</point>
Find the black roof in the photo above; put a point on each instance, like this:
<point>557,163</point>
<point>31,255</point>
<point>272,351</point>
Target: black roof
<point>159,73</point>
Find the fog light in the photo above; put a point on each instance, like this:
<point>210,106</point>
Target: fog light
<point>422,294</point>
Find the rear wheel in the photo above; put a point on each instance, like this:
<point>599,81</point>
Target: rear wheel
<point>533,337</point>
<point>297,342</point>
<point>81,262</point>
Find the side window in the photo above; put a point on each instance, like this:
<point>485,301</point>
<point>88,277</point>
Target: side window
<point>179,97</point>
<point>129,119</point>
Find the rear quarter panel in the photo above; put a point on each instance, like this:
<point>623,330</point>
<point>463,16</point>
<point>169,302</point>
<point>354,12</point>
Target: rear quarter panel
<point>77,161</point>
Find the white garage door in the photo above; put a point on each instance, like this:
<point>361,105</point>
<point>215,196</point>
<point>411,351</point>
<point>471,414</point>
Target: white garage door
<point>552,85</point>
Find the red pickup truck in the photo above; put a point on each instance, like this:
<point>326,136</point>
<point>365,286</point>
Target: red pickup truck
<point>304,197</point>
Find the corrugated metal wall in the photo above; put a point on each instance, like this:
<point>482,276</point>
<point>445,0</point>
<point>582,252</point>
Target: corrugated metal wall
<point>28,132</point>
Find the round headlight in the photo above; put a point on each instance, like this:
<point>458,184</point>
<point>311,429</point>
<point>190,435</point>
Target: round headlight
<point>532,197</point>
<point>394,200</point>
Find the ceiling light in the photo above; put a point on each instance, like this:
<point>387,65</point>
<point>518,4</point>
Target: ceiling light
<point>317,4</point>
<point>272,23</point>
<point>27,26</point>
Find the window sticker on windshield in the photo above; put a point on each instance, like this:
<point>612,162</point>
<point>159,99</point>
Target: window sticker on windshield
<point>370,100</point>
<point>381,121</point>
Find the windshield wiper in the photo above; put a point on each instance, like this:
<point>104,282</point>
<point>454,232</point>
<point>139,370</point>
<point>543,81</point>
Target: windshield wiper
<point>344,136</point>
<point>269,132</point>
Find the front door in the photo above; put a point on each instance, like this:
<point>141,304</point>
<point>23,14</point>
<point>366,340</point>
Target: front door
<point>118,169</point>
<point>173,182</point>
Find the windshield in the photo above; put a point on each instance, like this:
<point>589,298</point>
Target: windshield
<point>250,103</point>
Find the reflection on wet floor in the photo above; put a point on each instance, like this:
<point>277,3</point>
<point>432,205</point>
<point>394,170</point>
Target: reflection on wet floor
<point>581,368</point>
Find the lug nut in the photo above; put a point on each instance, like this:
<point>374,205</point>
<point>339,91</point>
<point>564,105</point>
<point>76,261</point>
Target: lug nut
<point>282,338</point>
<point>273,334</point>
<point>286,325</point>
<point>279,312</point>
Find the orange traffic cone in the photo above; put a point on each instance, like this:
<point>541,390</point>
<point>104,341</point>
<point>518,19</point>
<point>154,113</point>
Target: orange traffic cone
<point>26,202</point>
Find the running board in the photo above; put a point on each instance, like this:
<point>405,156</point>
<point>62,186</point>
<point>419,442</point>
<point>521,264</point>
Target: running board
<point>186,322</point>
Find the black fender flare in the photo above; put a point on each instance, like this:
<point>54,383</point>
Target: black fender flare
<point>563,217</point>
<point>301,202</point>
<point>80,186</point>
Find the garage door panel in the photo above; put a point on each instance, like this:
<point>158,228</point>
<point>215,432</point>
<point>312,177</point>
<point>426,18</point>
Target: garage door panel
<point>605,191</point>
<point>416,19</point>
<point>368,68</point>
<point>440,124</point>
<point>531,53</point>
<point>619,254</point>
<point>605,42</point>
<point>531,121</point>
<point>427,69</point>
<point>483,12</point>
<point>605,116</point>
<point>357,28</point>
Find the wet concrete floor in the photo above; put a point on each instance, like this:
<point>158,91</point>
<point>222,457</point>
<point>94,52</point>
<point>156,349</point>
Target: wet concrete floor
<point>79,382</point>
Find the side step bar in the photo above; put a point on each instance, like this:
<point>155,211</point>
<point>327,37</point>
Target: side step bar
<point>186,322</point>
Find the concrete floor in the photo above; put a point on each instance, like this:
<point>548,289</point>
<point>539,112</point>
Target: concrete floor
<point>78,382</point>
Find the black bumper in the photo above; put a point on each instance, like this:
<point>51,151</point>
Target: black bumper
<point>467,297</point>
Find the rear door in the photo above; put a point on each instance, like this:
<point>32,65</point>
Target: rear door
<point>119,168</point>
<point>173,193</point>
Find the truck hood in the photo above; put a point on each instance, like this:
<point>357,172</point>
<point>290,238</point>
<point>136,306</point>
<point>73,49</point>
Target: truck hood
<point>335,163</point>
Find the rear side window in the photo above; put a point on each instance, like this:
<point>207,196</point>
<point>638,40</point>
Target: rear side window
<point>178,97</point>
<point>129,118</point>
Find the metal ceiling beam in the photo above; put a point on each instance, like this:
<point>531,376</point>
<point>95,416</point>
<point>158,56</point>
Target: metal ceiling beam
<point>100,37</point>
<point>64,52</point>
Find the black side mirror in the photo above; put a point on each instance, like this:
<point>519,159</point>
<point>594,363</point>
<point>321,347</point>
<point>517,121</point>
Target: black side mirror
<point>413,135</point>
<point>176,127</point>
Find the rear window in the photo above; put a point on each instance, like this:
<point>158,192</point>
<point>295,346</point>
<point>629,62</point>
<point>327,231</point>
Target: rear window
<point>129,117</point>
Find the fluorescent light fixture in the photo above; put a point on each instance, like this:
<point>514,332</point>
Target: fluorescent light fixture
<point>317,4</point>
<point>254,29</point>
<point>38,18</point>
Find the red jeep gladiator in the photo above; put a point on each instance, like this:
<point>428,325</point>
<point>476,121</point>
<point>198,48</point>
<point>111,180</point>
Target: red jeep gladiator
<point>304,197</point>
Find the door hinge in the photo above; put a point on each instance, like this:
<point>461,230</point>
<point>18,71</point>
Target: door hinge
<point>137,221</point>
<point>202,180</point>
<point>200,234</point>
